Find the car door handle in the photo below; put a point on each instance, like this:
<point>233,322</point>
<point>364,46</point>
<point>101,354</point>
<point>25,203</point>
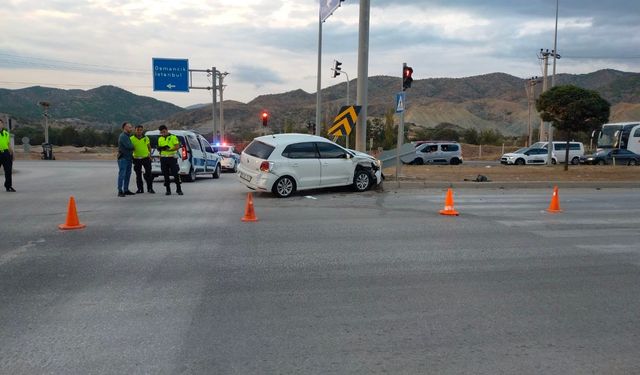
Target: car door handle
<point>295,165</point>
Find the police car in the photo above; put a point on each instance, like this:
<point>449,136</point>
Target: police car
<point>229,158</point>
<point>195,155</point>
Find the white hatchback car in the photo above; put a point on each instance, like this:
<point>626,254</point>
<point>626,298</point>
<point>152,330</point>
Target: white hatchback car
<point>528,155</point>
<point>286,163</point>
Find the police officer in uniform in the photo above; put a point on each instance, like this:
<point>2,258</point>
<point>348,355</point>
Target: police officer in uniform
<point>142,159</point>
<point>6,156</point>
<point>168,145</point>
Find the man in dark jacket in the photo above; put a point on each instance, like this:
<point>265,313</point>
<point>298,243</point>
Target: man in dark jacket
<point>125,160</point>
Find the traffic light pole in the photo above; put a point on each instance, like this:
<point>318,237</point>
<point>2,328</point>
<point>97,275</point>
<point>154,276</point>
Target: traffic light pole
<point>319,83</point>
<point>400,130</point>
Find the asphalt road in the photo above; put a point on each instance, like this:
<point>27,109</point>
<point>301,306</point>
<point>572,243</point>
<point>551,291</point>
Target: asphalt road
<point>329,282</point>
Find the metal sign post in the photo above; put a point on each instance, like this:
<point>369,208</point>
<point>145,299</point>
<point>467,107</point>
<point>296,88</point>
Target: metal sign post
<point>174,75</point>
<point>400,105</point>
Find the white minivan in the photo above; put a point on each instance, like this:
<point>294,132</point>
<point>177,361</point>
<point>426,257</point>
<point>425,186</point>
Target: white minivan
<point>195,155</point>
<point>576,150</point>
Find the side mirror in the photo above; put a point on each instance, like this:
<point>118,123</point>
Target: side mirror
<point>347,155</point>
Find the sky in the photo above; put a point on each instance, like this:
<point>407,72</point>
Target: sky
<point>271,46</point>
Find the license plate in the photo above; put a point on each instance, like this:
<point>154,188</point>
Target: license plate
<point>245,177</point>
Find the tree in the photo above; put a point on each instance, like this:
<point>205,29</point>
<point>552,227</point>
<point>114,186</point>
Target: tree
<point>573,109</point>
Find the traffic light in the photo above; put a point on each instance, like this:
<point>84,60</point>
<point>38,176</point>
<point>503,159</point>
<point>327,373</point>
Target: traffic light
<point>407,71</point>
<point>336,68</point>
<point>265,118</point>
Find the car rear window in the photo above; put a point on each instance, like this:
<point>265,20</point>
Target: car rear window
<point>259,150</point>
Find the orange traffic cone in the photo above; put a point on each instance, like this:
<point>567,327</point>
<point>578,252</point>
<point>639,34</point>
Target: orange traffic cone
<point>554,206</point>
<point>249,213</point>
<point>72,217</point>
<point>448,205</point>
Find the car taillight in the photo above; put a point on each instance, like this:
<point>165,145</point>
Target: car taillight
<point>265,166</point>
<point>184,152</point>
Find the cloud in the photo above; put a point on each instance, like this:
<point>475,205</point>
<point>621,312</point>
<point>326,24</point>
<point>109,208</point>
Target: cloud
<point>255,75</point>
<point>271,46</point>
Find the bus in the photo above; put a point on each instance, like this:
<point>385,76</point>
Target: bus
<point>624,135</point>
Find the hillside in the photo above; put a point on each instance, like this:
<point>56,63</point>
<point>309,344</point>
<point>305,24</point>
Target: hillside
<point>490,101</point>
<point>99,106</point>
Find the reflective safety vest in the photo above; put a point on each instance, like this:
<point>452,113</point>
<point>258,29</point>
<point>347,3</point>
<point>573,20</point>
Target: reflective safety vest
<point>171,141</point>
<point>5,140</point>
<point>140,147</point>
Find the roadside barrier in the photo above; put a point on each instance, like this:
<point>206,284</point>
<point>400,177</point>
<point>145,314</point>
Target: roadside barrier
<point>448,205</point>
<point>554,206</point>
<point>249,213</point>
<point>72,217</point>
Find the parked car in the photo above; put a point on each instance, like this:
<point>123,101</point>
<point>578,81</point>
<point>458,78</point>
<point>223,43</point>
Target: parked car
<point>528,155</point>
<point>229,159</point>
<point>615,156</point>
<point>195,155</point>
<point>435,152</point>
<point>286,163</point>
<point>576,150</point>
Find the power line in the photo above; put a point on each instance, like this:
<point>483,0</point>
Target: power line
<point>64,65</point>
<point>602,57</point>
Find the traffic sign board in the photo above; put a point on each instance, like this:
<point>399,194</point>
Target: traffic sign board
<point>170,74</point>
<point>345,120</point>
<point>400,98</point>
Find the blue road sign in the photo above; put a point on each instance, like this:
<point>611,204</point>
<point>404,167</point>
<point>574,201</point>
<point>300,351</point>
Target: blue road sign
<point>400,102</point>
<point>170,75</point>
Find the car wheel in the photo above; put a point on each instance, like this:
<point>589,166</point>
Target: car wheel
<point>519,161</point>
<point>455,161</point>
<point>575,161</point>
<point>284,187</point>
<point>600,162</point>
<point>554,161</point>
<point>191,176</point>
<point>418,161</point>
<point>217,172</point>
<point>632,162</point>
<point>361,180</point>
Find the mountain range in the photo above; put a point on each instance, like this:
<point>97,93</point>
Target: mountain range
<point>492,101</point>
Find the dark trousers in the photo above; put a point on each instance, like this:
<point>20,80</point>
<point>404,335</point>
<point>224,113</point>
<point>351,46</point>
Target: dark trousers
<point>7,163</point>
<point>169,167</point>
<point>145,163</point>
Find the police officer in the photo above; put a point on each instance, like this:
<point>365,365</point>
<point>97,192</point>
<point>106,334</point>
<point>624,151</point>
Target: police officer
<point>142,158</point>
<point>168,145</point>
<point>6,156</point>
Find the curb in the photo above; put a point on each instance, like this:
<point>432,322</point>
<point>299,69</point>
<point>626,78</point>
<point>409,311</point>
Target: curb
<point>408,184</point>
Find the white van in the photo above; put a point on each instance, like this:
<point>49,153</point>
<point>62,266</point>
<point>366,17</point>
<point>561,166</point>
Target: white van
<point>195,155</point>
<point>576,150</point>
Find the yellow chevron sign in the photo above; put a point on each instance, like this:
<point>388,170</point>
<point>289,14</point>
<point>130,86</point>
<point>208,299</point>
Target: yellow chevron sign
<point>345,121</point>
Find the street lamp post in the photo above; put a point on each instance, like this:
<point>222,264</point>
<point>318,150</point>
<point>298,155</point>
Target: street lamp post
<point>45,107</point>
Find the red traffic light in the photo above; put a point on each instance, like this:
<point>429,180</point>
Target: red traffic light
<point>407,71</point>
<point>265,118</point>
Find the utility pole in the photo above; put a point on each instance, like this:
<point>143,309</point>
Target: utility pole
<point>553,83</point>
<point>221,76</point>
<point>529,87</point>
<point>363,75</point>
<point>544,56</point>
<point>214,95</point>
